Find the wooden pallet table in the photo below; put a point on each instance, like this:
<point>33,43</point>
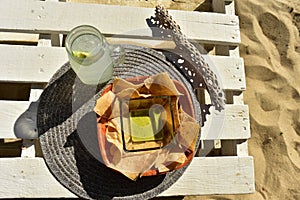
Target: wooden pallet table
<point>31,51</point>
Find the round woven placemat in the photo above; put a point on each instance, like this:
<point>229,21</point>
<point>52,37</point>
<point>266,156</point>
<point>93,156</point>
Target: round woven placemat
<point>65,113</point>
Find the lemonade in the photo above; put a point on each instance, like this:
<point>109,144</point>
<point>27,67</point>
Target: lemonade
<point>90,55</point>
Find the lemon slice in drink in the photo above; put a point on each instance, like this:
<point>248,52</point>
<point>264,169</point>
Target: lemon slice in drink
<point>81,54</point>
<point>144,127</point>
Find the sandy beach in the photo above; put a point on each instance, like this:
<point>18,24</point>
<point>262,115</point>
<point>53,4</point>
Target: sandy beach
<point>270,47</point>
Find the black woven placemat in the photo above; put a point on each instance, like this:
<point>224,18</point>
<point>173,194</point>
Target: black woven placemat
<point>71,152</point>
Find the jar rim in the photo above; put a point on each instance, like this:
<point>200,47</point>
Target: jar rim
<point>78,31</point>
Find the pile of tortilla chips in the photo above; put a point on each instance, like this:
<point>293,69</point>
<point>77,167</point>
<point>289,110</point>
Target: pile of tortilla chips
<point>177,147</point>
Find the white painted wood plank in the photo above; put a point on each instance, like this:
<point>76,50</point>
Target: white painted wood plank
<point>28,148</point>
<point>30,63</point>
<point>209,175</point>
<point>233,123</point>
<point>18,37</point>
<point>230,71</point>
<point>44,42</point>
<point>242,148</point>
<point>10,112</point>
<point>35,93</point>
<point>28,178</point>
<point>54,17</point>
<point>230,8</point>
<point>38,64</point>
<point>215,175</point>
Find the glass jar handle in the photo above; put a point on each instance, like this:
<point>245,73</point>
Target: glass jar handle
<point>117,50</point>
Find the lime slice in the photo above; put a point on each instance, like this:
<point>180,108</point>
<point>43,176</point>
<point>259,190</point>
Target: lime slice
<point>142,126</point>
<point>81,54</point>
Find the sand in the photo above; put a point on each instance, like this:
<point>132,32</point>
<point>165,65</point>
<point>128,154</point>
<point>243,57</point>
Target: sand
<point>270,47</point>
<point>271,50</point>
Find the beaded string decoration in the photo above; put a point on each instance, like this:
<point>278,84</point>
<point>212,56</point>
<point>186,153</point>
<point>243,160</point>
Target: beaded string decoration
<point>189,60</point>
